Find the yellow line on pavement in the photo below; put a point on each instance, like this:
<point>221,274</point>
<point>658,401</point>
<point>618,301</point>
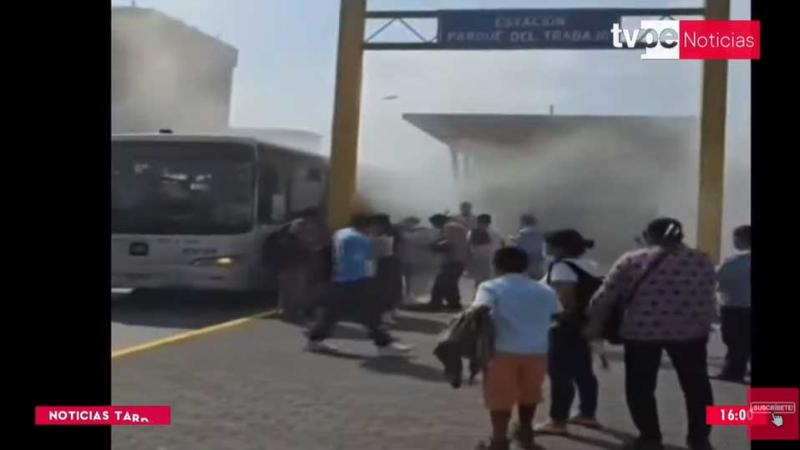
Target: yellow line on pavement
<point>194,333</point>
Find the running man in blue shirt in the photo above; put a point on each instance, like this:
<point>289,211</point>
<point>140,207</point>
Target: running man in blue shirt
<point>353,291</point>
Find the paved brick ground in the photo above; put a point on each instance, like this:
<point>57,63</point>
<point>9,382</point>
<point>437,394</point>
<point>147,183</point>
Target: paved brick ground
<point>253,388</point>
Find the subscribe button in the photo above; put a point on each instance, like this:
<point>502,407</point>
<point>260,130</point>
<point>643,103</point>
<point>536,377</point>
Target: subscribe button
<point>103,415</point>
<point>770,414</point>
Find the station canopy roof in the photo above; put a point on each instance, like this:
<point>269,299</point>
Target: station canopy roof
<point>511,129</point>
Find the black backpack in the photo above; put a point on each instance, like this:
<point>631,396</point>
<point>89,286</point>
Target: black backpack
<point>587,285</point>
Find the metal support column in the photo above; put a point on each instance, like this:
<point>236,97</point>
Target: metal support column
<point>454,160</point>
<point>346,114</point>
<point>712,144</point>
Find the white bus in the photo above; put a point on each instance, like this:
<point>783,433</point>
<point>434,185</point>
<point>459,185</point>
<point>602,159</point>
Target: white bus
<point>192,211</point>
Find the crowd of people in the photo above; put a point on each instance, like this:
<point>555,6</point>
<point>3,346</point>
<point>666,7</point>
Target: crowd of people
<point>406,260</point>
<point>549,305</point>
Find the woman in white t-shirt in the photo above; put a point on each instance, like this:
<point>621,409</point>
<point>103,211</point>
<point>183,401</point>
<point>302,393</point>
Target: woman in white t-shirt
<point>574,277</point>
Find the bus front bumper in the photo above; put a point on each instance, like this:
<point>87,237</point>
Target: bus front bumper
<point>236,279</point>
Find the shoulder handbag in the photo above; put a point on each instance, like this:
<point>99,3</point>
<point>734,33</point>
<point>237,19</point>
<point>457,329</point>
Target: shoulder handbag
<point>613,322</point>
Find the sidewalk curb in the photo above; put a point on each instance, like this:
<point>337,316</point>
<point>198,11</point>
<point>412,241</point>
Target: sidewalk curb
<point>271,314</point>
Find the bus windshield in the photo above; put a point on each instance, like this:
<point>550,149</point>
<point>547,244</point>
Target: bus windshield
<point>182,188</point>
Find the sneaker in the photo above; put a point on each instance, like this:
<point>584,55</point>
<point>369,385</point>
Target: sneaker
<point>585,421</point>
<point>394,350</point>
<point>453,308</point>
<point>320,347</point>
<point>389,318</point>
<point>551,427</point>
<point>641,444</point>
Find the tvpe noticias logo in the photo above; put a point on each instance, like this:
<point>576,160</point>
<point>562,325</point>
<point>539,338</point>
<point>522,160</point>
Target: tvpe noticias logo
<point>692,39</point>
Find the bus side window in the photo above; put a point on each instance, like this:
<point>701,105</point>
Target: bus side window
<point>314,175</point>
<point>271,196</point>
<point>307,189</point>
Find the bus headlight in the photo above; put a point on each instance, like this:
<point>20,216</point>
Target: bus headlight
<point>220,261</point>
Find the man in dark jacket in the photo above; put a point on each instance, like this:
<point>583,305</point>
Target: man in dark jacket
<point>294,252</point>
<point>389,266</point>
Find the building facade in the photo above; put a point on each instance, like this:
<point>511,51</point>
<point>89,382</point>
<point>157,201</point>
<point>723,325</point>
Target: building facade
<point>167,74</point>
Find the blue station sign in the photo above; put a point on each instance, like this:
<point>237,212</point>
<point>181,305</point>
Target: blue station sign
<point>526,29</point>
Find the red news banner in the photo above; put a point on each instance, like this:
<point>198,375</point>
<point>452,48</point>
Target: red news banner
<point>770,414</point>
<point>720,39</point>
<point>103,415</point>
